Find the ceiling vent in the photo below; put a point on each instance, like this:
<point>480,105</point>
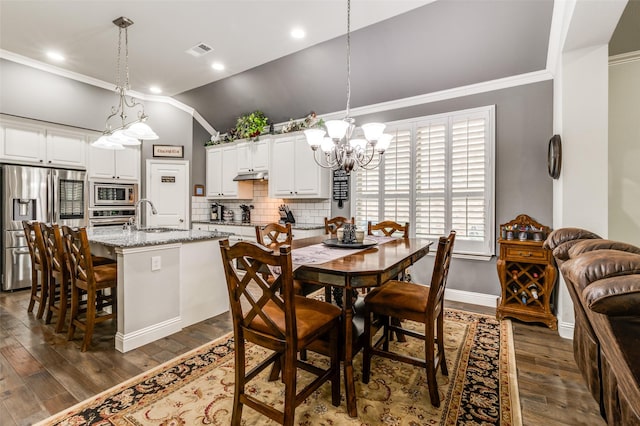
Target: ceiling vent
<point>199,50</point>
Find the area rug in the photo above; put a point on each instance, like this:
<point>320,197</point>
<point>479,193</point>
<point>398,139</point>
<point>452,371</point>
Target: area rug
<point>197,388</point>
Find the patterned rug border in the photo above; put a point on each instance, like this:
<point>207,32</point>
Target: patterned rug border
<point>507,371</point>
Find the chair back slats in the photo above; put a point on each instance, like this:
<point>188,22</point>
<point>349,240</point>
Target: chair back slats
<point>388,228</point>
<point>270,235</point>
<point>332,225</point>
<point>35,243</point>
<point>440,273</point>
<point>79,253</point>
<point>266,301</point>
<point>55,248</point>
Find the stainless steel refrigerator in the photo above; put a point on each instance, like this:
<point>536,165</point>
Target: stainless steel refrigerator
<point>35,193</point>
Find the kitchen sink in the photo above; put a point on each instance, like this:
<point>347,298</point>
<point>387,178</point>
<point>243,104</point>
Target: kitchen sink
<point>156,230</point>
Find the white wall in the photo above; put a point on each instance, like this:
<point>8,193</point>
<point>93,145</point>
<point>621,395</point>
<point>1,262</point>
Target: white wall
<point>581,100</point>
<point>624,151</point>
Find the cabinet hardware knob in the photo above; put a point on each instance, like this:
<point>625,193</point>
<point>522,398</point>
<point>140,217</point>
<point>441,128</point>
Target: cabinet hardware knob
<point>49,161</point>
<point>42,161</point>
<point>525,254</point>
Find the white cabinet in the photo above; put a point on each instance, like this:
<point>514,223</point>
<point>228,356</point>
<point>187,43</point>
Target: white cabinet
<point>293,172</point>
<point>66,148</point>
<point>222,167</point>
<point>253,156</point>
<point>27,141</point>
<point>123,165</point>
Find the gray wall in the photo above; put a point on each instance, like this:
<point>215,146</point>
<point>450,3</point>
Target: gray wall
<point>32,93</point>
<point>524,125</point>
<point>445,44</point>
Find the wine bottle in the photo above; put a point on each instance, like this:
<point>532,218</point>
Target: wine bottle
<point>533,289</point>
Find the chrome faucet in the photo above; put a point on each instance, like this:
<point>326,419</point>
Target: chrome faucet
<point>137,210</point>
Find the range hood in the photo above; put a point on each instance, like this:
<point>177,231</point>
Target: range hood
<point>263,175</point>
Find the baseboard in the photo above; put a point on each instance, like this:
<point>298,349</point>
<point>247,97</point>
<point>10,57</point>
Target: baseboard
<point>565,329</point>
<point>471,297</point>
<point>125,343</point>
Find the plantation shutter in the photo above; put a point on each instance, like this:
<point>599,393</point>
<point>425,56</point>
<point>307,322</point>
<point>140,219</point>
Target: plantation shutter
<point>367,199</point>
<point>397,177</point>
<point>470,204</point>
<point>431,180</point>
<point>438,175</point>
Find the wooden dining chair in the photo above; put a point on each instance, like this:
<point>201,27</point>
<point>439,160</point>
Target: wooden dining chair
<point>39,267</point>
<point>332,225</point>
<point>269,314</point>
<point>388,228</point>
<point>415,302</point>
<point>90,280</point>
<point>274,235</point>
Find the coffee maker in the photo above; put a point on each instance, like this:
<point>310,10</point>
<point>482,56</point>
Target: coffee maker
<point>217,211</point>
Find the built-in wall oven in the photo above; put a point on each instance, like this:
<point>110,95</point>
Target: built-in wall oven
<point>112,204</point>
<point>110,217</point>
<point>113,194</point>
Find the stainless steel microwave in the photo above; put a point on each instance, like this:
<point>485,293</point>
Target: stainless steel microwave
<point>113,194</point>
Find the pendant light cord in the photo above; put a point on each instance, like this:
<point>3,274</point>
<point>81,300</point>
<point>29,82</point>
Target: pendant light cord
<point>348,56</point>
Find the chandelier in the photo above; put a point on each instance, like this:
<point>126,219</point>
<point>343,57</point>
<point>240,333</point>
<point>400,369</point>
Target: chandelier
<point>124,133</point>
<point>339,149</point>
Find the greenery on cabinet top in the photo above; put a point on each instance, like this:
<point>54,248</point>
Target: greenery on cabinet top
<point>252,126</point>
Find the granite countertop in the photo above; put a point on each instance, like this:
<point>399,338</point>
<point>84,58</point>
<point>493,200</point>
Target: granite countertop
<point>116,237</point>
<point>300,226</point>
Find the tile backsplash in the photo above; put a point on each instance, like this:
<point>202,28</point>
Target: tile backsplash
<point>265,209</point>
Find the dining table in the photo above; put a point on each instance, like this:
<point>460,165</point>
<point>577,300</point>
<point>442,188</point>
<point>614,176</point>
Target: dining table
<point>371,264</point>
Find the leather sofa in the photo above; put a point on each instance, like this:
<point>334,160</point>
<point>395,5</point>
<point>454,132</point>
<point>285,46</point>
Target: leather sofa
<point>603,279</point>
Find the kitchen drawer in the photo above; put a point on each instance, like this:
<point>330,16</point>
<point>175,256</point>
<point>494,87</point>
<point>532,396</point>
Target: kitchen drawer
<point>530,254</point>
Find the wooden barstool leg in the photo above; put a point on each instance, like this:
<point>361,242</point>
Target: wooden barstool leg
<point>62,314</point>
<point>75,302</point>
<point>51,300</point>
<point>91,318</point>
<point>44,290</point>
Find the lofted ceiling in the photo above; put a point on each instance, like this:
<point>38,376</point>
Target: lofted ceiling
<point>422,46</point>
<point>242,33</point>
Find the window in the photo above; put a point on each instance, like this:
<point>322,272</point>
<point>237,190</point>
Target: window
<point>438,175</point>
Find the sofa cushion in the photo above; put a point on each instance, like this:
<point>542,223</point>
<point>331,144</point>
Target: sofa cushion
<point>614,296</point>
<point>563,235</point>
<point>585,246</point>
<point>597,265</point>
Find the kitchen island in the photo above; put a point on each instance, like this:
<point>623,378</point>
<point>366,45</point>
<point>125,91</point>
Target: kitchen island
<point>167,280</point>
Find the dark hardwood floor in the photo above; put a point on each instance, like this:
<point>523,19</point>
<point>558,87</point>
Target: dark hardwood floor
<point>41,373</point>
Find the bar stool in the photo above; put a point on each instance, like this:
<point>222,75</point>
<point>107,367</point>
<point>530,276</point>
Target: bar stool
<point>39,267</point>
<point>90,279</point>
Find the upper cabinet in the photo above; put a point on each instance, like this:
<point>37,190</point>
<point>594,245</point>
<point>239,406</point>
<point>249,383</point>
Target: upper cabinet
<point>28,141</point>
<point>253,156</point>
<point>293,172</point>
<point>222,167</point>
<point>122,165</point>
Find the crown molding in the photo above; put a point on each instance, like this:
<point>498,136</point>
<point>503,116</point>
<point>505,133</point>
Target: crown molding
<point>23,60</point>
<point>458,92</point>
<point>624,58</point>
<point>472,89</point>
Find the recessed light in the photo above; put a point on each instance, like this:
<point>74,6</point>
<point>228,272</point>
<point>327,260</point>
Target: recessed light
<point>298,33</point>
<point>155,89</point>
<point>55,56</point>
<point>217,66</point>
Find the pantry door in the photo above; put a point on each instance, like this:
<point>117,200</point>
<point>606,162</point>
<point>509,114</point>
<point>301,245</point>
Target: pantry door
<point>167,187</point>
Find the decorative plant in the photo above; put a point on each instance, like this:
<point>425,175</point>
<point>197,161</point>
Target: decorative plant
<point>251,125</point>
